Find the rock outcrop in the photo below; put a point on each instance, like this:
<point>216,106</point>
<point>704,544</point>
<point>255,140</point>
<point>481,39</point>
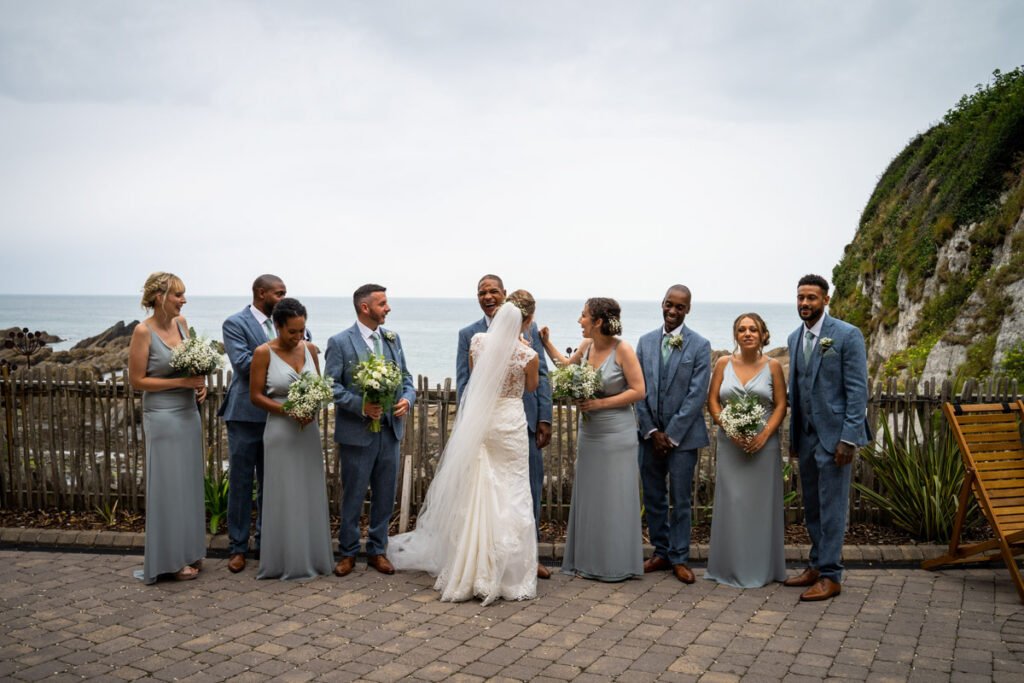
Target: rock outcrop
<point>935,274</point>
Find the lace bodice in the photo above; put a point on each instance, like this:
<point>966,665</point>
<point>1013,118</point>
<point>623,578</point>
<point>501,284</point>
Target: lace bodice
<point>514,383</point>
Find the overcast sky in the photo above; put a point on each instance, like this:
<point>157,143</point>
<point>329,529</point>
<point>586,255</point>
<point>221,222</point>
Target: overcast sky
<point>576,148</point>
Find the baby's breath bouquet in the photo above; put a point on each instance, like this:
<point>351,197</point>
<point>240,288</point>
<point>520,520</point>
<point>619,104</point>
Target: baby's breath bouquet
<point>308,395</point>
<point>575,382</point>
<point>742,417</point>
<point>379,379</point>
<point>196,355</point>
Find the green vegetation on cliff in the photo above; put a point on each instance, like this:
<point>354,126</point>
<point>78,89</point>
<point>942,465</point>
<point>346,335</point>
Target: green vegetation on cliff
<point>968,169</point>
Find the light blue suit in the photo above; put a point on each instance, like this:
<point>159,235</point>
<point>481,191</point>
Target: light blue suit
<point>245,423</point>
<point>536,404</point>
<point>676,392</point>
<point>367,459</point>
<point>828,399</point>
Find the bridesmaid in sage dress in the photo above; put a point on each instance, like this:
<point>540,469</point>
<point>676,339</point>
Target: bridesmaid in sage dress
<point>604,539</point>
<point>746,548</point>
<point>296,535</point>
<point>175,510</point>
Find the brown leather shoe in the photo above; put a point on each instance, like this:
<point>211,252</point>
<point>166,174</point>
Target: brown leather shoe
<point>543,572</point>
<point>683,573</point>
<point>380,563</point>
<point>344,566</point>
<point>236,563</point>
<point>822,590</point>
<point>656,563</point>
<point>809,577</point>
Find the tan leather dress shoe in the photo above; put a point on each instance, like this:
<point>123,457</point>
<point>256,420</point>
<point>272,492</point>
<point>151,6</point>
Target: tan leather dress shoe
<point>344,566</point>
<point>683,573</point>
<point>543,572</point>
<point>380,563</point>
<point>656,563</point>
<point>236,563</point>
<point>822,590</point>
<point>808,577</point>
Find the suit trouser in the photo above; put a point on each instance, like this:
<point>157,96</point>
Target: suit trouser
<point>825,487</point>
<point>374,466</point>
<point>670,537</point>
<point>245,457</point>
<point>536,476</point>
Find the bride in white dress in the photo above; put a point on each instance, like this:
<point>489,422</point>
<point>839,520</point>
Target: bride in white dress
<point>475,530</point>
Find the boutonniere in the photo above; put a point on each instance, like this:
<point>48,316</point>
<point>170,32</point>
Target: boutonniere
<point>826,344</point>
<point>675,341</point>
<point>390,336</point>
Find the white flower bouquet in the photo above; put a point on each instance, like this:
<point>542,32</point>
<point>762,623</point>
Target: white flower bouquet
<point>196,356</point>
<point>308,395</point>
<point>576,382</point>
<point>379,379</point>
<point>743,417</point>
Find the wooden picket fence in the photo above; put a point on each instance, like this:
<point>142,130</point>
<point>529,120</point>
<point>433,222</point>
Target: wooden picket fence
<point>75,442</point>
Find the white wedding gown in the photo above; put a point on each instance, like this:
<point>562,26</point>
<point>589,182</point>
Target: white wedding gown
<point>485,546</point>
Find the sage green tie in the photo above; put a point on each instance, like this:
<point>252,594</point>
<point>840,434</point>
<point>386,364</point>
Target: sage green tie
<point>269,327</point>
<point>666,348</point>
<point>808,346</point>
<point>377,350</point>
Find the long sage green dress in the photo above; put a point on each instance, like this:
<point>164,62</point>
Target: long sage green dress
<point>296,536</point>
<point>747,527</point>
<point>604,539</point>
<point>175,509</point>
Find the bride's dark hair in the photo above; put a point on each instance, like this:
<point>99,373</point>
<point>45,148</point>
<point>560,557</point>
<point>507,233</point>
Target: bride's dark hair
<point>608,311</point>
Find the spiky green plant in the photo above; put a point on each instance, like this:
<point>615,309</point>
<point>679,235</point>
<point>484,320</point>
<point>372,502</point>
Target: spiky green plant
<point>920,481</point>
<point>215,487</point>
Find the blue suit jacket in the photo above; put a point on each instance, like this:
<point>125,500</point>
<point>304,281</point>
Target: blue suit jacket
<point>537,404</point>
<point>839,386</point>
<point>242,334</point>
<point>682,397</point>
<point>344,351</point>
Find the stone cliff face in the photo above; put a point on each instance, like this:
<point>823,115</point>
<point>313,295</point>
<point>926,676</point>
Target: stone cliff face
<point>935,274</point>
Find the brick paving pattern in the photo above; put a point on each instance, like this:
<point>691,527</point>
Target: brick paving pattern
<point>73,616</point>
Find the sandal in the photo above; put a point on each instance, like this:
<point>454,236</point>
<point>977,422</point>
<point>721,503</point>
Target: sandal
<point>187,573</point>
<point>197,565</point>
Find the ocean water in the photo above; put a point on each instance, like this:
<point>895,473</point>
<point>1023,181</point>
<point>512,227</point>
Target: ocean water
<point>428,327</point>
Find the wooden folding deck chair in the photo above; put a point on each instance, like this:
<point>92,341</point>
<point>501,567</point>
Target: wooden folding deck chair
<point>990,445</point>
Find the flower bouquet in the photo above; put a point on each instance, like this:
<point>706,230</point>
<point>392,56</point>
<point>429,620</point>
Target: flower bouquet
<point>742,417</point>
<point>196,356</point>
<point>379,379</point>
<point>308,395</point>
<point>576,382</point>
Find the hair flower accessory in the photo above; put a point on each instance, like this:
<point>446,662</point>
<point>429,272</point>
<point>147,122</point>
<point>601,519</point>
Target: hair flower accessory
<point>614,325</point>
<point>826,343</point>
<point>389,335</point>
<point>675,341</point>
<point>519,305</point>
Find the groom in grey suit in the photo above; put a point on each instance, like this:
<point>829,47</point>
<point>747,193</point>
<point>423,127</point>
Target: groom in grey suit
<point>676,362</point>
<point>828,395</point>
<point>242,333</point>
<point>368,459</point>
<point>537,404</point>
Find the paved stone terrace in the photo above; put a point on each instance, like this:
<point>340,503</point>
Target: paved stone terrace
<point>75,615</point>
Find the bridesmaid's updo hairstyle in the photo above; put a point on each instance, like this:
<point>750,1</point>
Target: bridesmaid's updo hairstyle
<point>524,301</point>
<point>759,322</point>
<point>286,309</point>
<point>608,311</point>
<point>159,283</point>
